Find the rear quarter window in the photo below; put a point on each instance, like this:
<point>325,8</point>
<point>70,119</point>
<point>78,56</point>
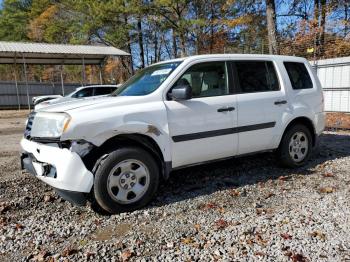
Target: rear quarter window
<point>298,75</point>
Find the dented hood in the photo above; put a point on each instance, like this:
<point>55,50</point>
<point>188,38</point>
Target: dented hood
<point>91,103</point>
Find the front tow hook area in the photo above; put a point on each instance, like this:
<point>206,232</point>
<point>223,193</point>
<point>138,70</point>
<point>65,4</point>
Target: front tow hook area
<point>27,164</point>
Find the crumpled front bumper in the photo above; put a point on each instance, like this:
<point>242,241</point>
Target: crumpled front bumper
<point>58,167</point>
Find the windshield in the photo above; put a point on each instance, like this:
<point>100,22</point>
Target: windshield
<point>146,80</point>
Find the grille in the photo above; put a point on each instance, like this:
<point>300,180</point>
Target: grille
<point>28,129</point>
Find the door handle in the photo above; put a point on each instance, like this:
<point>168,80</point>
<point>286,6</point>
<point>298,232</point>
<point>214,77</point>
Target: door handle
<point>280,102</point>
<point>226,109</point>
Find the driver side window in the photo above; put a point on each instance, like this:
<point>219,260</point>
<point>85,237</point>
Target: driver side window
<point>206,79</point>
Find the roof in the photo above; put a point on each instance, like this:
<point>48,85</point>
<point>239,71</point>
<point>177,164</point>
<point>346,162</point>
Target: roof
<point>234,56</point>
<point>96,86</point>
<point>43,53</point>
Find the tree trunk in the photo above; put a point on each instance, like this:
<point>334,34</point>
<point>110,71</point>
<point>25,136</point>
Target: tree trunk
<point>271,26</point>
<point>316,10</point>
<point>346,18</point>
<point>155,46</point>
<point>130,63</point>
<point>323,25</point>
<point>140,36</point>
<point>183,44</point>
<point>174,44</point>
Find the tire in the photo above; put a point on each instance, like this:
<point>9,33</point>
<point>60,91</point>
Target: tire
<point>290,152</point>
<point>126,180</point>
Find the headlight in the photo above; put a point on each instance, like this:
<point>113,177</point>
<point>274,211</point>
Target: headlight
<point>50,124</point>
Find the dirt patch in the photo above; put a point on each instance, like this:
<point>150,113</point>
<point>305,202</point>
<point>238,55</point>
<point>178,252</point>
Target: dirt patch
<point>111,232</point>
<point>5,114</point>
<point>338,120</point>
<point>12,124</point>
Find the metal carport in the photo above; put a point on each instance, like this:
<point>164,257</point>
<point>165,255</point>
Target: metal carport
<point>54,54</point>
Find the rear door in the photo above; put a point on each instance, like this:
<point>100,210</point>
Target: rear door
<point>261,103</point>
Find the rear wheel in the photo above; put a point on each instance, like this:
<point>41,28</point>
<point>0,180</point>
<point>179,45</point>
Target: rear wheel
<point>126,180</point>
<point>296,146</point>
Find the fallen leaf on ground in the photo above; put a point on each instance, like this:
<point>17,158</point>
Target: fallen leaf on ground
<point>221,224</point>
<point>187,240</point>
<point>260,240</point>
<point>126,255</point>
<point>234,193</point>
<point>318,234</point>
<point>19,226</point>
<point>221,210</point>
<point>327,190</point>
<point>286,236</point>
<point>328,175</point>
<point>284,178</point>
<point>48,198</point>
<point>298,258</point>
<point>68,251</point>
<point>197,227</point>
<point>250,241</point>
<point>210,205</point>
<point>259,253</point>
<point>270,194</point>
<point>41,256</point>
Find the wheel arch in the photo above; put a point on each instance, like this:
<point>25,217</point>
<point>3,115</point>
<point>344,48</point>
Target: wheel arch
<point>303,120</point>
<point>143,141</point>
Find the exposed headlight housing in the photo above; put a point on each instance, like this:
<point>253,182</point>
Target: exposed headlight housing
<point>50,125</point>
<point>81,147</point>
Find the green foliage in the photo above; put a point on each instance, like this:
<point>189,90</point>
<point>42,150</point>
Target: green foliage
<point>153,30</point>
<point>14,18</point>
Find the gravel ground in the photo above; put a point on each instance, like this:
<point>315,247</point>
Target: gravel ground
<point>244,209</point>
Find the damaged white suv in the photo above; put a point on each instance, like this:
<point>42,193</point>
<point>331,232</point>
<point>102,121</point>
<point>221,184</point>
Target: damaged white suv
<point>114,150</point>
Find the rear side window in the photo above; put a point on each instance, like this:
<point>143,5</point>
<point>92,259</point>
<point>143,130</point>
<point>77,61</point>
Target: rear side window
<point>298,75</point>
<point>256,76</point>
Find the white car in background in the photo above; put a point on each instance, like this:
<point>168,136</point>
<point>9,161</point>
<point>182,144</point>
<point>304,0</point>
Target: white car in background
<point>80,92</point>
<point>39,99</point>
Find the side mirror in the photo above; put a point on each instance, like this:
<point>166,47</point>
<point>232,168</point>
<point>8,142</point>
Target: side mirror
<point>181,92</point>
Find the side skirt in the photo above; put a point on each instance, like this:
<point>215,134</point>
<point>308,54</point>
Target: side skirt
<point>222,159</point>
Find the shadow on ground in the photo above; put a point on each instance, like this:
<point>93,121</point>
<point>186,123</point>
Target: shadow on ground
<point>237,172</point>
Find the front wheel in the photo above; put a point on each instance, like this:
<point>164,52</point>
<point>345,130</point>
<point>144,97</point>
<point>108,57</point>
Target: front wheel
<point>296,146</point>
<point>126,180</point>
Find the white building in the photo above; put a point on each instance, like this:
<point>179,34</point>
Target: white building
<point>334,75</point>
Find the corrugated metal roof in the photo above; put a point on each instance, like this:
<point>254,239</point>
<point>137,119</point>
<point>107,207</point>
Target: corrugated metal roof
<point>43,53</point>
<point>44,48</point>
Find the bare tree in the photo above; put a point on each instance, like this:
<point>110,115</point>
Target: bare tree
<point>271,26</point>
<point>140,38</point>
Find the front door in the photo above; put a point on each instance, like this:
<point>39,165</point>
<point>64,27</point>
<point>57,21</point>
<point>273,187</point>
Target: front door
<point>201,127</point>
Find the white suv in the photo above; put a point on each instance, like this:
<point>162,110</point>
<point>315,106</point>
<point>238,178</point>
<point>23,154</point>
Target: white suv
<point>114,150</point>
